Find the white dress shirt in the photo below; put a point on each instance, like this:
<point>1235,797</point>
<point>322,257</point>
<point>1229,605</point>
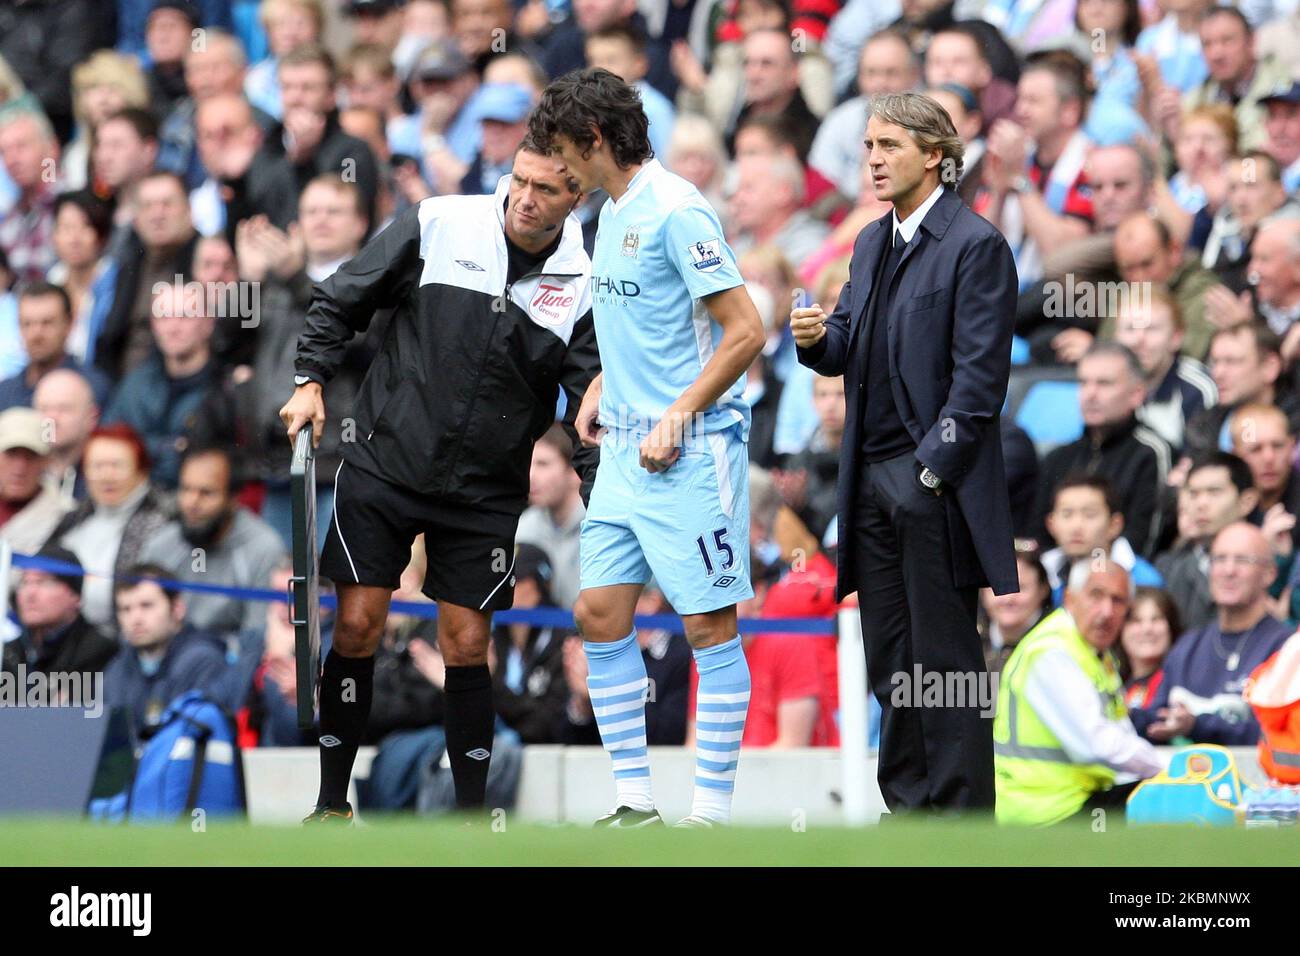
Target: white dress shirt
<point>912,223</point>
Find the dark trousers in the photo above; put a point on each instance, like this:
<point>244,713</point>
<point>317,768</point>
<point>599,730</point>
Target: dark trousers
<point>932,757</point>
<point>1116,799</point>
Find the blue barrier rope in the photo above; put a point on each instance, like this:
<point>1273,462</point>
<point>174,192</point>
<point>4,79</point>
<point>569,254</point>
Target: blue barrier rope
<point>540,617</point>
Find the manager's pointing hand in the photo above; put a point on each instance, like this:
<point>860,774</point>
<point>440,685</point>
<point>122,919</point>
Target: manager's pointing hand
<point>808,325</point>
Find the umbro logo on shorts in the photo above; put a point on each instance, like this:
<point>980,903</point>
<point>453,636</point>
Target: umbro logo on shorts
<point>478,753</point>
<point>725,581</point>
<point>471,266</point>
<point>329,740</point>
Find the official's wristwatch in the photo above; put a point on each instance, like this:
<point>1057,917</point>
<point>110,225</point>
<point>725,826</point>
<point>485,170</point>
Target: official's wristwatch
<point>300,380</point>
<point>930,479</point>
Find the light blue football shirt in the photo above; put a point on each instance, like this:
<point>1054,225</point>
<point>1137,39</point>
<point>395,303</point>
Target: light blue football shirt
<point>659,250</point>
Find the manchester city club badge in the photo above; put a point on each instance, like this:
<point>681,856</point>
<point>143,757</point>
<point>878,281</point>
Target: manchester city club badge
<point>631,242</point>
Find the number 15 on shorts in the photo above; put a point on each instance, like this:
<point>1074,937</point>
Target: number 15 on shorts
<point>720,547</point>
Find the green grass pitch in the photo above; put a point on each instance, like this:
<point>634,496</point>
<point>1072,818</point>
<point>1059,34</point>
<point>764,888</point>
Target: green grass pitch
<point>415,842</point>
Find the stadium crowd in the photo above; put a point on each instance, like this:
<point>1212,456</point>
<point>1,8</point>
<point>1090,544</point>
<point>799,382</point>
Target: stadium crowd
<point>175,177</point>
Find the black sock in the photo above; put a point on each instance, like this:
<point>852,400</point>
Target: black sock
<point>347,686</point>
<point>470,719</point>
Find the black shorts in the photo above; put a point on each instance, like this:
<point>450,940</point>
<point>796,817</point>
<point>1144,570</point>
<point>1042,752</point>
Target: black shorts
<point>470,551</point>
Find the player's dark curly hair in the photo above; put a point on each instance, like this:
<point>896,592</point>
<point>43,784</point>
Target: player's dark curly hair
<point>577,101</point>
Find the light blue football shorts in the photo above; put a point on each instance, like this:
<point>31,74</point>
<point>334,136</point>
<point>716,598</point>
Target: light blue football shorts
<point>688,526</point>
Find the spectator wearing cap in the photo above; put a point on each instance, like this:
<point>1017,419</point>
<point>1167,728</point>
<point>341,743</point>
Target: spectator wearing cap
<point>1237,76</point>
<point>554,514</point>
<point>423,21</point>
<point>528,676</point>
<point>1282,124</point>
<point>55,637</point>
<point>289,24</point>
<point>30,154</point>
<point>122,512</point>
<point>442,85</point>
<point>45,322</point>
<point>502,110</point>
<point>167,36</point>
<point>30,507</point>
<point>886,65</point>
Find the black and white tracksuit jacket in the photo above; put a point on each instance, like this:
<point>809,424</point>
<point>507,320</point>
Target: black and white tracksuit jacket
<point>469,373</point>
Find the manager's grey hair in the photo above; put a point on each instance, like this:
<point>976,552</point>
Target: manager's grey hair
<point>929,124</point>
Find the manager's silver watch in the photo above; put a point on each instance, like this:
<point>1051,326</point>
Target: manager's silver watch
<point>930,479</point>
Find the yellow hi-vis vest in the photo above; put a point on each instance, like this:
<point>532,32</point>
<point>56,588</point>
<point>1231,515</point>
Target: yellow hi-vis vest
<point>1037,783</point>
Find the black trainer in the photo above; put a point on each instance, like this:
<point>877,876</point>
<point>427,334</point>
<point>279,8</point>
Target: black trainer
<point>625,818</point>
